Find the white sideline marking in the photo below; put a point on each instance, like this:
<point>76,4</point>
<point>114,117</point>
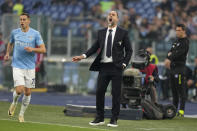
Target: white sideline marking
<point>149,129</point>
<point>57,124</point>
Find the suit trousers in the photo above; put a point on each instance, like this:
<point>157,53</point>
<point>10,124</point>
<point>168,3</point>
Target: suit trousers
<point>108,72</point>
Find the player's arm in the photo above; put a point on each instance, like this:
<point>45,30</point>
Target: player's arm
<point>40,49</point>
<point>9,49</point>
<point>40,46</point>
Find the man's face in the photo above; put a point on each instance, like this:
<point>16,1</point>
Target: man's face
<point>179,32</point>
<point>24,21</point>
<point>112,18</point>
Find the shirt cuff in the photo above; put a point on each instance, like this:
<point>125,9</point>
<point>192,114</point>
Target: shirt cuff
<point>124,64</point>
<point>84,55</point>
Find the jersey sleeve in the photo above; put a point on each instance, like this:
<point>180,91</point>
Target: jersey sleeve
<point>12,38</point>
<point>39,40</point>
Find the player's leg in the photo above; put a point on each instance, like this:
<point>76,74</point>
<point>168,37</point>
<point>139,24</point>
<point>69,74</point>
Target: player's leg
<point>19,83</point>
<point>29,83</point>
<point>25,103</point>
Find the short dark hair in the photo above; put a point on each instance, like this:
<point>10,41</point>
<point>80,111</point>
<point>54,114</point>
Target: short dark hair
<point>116,12</point>
<point>182,26</point>
<point>26,14</point>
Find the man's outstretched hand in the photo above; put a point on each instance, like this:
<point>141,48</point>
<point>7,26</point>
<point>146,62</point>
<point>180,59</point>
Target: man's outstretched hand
<point>77,58</point>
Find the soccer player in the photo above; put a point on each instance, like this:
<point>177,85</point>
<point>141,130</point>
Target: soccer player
<point>24,40</point>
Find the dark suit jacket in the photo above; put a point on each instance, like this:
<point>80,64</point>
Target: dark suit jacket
<point>121,50</point>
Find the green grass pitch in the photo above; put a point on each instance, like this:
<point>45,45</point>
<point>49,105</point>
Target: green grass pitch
<point>51,118</point>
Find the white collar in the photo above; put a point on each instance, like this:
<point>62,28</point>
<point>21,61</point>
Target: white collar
<point>113,29</point>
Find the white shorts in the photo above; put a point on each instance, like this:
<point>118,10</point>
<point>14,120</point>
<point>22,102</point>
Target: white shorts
<point>25,77</point>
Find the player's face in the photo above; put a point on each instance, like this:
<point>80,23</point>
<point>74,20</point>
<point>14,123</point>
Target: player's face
<point>112,18</point>
<point>180,32</point>
<point>24,21</point>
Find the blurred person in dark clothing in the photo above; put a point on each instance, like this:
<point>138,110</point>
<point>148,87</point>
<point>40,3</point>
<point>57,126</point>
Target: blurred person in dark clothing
<point>126,24</point>
<point>40,69</point>
<point>165,78</point>
<point>177,56</point>
<point>96,11</point>
<point>166,5</point>
<point>143,34</point>
<point>132,15</point>
<point>7,6</point>
<point>191,6</point>
<point>189,82</point>
<point>37,5</point>
<point>195,77</point>
<point>2,53</point>
<point>2,47</point>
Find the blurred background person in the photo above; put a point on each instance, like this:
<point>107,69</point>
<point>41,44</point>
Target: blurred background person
<point>165,80</point>
<point>40,70</point>
<point>195,78</point>
<point>189,84</point>
<point>18,7</point>
<point>153,58</point>
<point>2,53</point>
<point>7,6</point>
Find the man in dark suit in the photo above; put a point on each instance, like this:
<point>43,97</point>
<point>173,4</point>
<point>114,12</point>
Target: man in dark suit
<point>114,52</point>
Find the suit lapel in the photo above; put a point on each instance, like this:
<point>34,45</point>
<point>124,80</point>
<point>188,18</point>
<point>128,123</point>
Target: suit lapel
<point>116,35</point>
<point>103,37</point>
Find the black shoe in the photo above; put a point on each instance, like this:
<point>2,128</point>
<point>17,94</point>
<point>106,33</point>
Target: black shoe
<point>97,121</point>
<point>113,123</point>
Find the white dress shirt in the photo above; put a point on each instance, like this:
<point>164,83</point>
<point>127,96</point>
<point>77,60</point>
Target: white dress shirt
<point>104,58</point>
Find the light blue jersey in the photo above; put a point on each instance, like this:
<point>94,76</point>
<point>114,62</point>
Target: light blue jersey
<point>21,58</point>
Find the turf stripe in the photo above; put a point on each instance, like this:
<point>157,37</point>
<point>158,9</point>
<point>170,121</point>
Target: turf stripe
<point>57,124</point>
